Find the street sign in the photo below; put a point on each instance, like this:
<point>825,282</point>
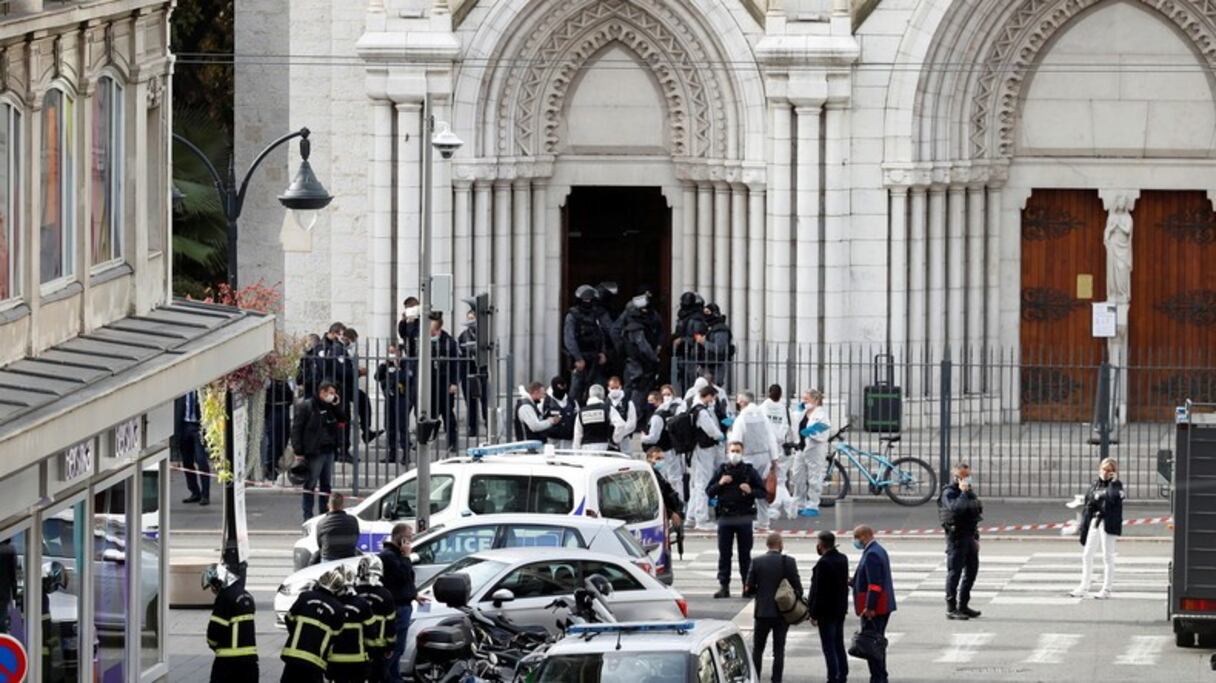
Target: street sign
<point>13,661</point>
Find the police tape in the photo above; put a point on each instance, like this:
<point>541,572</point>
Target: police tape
<point>261,484</point>
<point>1002,529</point>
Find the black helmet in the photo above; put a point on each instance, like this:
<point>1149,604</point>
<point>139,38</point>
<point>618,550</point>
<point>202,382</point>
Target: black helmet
<point>585,293</point>
<point>54,577</point>
<point>607,290</point>
<point>691,299</point>
<point>600,584</point>
<point>715,311</point>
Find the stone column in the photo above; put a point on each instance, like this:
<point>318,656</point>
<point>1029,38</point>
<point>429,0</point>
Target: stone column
<point>779,284</point>
<point>956,247</point>
<point>917,289</point>
<point>975,285</point>
<point>897,285</point>
<point>991,281</point>
<point>462,250</point>
<point>409,197</point>
<point>381,305</point>
<point>551,360</point>
<point>836,209</point>
<point>483,247</point>
<point>756,240</point>
<point>936,337</point>
<point>540,283</point>
<point>521,274</point>
<point>720,275</point>
<point>502,263</point>
<point>738,261</point>
<point>688,241</point>
<point>705,240</point>
<point>807,238</point>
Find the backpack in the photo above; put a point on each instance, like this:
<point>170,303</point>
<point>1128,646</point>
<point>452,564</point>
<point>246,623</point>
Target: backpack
<point>564,430</point>
<point>664,441</point>
<point>681,431</point>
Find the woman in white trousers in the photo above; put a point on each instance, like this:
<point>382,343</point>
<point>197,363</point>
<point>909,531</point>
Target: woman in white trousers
<point>1101,526</point>
<point>813,427</point>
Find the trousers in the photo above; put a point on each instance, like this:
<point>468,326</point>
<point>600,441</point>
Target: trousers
<point>194,461</point>
<point>962,564</point>
<point>1098,537</point>
<point>878,666</point>
<point>807,474</point>
<point>320,473</point>
<point>404,612</point>
<point>831,640</point>
<point>704,460</point>
<point>734,531</point>
<point>762,627</point>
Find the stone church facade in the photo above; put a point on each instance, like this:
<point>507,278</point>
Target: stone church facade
<point>894,172</point>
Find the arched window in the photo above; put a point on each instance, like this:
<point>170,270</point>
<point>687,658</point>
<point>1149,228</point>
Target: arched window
<point>10,201</point>
<point>105,173</point>
<point>57,231</point>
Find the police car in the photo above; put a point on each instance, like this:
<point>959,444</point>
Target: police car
<point>689,651</point>
<point>444,544</point>
<point>521,477</point>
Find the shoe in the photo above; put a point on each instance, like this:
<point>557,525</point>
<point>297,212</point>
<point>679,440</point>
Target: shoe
<point>1103,594</point>
<point>1077,592</point>
<point>723,592</point>
<point>969,613</point>
<point>194,498</point>
<point>371,435</point>
<point>956,615</point>
<point>748,595</point>
<point>808,512</point>
<point>204,502</point>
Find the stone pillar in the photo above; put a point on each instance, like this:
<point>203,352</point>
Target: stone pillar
<point>540,283</point>
<point>807,238</point>
<point>721,271</point>
<point>688,241</point>
<point>462,250</point>
<point>739,258</point>
<point>836,199</point>
<point>381,305</point>
<point>551,360</point>
<point>756,240</point>
<point>409,197</point>
<point>917,289</point>
<point>956,247</point>
<point>897,285</point>
<point>936,337</point>
<point>777,268</point>
<point>975,285</point>
<point>502,263</point>
<point>705,240</point>
<point>521,274</point>
<point>483,247</point>
<point>991,283</point>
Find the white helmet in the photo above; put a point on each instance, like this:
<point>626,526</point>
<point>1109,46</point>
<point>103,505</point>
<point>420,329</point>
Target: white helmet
<point>217,577</point>
<point>371,568</point>
<point>333,581</point>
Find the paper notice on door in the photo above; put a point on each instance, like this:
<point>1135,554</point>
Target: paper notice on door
<point>1105,319</point>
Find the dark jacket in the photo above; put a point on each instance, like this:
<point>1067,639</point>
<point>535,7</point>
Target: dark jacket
<point>584,335</point>
<point>732,501</point>
<point>337,535</point>
<point>765,576</point>
<point>873,587</point>
<point>314,620</point>
<point>1104,500</point>
<point>384,611</point>
<point>230,631</point>
<point>964,510</point>
<point>671,500</point>
<point>316,427</point>
<point>448,367</point>
<point>391,377</point>
<point>829,598</point>
<point>398,575</point>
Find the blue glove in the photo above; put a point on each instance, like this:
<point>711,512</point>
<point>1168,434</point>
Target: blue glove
<point>713,502</point>
<point>814,429</point>
<point>727,422</point>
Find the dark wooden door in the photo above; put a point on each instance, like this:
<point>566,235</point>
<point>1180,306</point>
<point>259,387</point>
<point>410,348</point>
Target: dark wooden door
<point>1172,319</point>
<point>1063,273</point>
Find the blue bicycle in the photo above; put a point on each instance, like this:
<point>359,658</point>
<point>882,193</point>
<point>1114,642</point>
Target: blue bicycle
<point>907,481</point>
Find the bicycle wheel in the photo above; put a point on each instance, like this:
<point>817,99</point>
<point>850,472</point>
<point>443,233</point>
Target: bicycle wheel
<point>911,481</point>
<point>835,484</point>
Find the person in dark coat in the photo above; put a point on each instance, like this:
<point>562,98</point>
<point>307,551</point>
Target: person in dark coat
<point>873,594</point>
<point>476,377</point>
<point>1101,525</point>
<point>736,485</point>
<point>399,580</point>
<point>766,574</point>
<point>407,329</point>
<point>641,358</point>
<point>585,340</point>
<point>961,513</point>
<point>316,435</point>
<point>828,604</point>
<point>188,439</point>
<point>446,377</point>
<point>337,532</point>
<point>716,345</point>
<point>690,315</point>
<point>314,620</point>
<point>391,375</point>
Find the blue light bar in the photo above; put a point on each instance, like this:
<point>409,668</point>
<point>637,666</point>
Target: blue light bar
<point>505,448</point>
<point>632,627</point>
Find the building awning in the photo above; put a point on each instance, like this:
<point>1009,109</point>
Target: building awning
<point>93,381</point>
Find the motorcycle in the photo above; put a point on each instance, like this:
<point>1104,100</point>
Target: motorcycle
<point>590,607</point>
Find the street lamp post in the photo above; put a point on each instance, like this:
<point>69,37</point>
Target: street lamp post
<point>305,195</point>
<point>446,143</point>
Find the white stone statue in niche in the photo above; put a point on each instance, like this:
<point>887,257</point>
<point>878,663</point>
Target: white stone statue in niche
<point>1118,240</point>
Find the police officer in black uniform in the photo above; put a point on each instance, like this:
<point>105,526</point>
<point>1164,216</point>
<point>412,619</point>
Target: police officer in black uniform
<point>641,358</point>
<point>691,312</point>
<point>593,426</point>
<point>587,342</point>
<point>718,346</point>
<point>230,631</point>
<point>348,660</point>
<point>961,512</point>
<point>312,624</point>
<point>737,486</point>
<point>384,612</point>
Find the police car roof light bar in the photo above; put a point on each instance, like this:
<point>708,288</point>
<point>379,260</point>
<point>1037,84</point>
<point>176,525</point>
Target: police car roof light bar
<point>632,627</point>
<point>505,449</point>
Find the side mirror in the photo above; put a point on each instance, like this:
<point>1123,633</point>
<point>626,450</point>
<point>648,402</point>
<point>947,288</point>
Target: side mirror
<point>502,595</point>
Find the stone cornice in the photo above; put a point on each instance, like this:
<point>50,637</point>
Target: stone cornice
<point>955,174</point>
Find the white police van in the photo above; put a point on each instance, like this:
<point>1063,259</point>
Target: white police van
<point>520,477</point>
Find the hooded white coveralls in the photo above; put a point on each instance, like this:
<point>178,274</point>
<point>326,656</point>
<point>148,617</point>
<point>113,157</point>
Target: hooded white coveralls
<point>673,463</point>
<point>807,471</point>
<point>760,449</point>
<point>704,462</point>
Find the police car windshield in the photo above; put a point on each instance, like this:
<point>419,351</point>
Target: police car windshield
<point>479,571</point>
<point>616,667</point>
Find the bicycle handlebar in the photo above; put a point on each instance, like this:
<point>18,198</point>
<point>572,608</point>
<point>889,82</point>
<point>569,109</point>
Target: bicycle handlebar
<point>842,430</point>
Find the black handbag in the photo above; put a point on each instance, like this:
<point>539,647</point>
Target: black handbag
<point>867,645</point>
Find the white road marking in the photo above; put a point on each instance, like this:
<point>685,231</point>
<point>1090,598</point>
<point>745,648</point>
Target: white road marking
<point>964,647</point>
<point>1052,647</point>
<point>1033,600</point>
<point>1144,651</point>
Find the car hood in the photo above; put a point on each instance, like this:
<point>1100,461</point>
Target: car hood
<point>314,572</point>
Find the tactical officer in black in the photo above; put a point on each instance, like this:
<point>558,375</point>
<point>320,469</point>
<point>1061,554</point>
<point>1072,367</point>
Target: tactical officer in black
<point>641,357</point>
<point>586,340</point>
<point>384,612</point>
<point>348,660</point>
<point>717,347</point>
<point>691,312</point>
<point>230,631</point>
<point>961,512</point>
<point>313,622</point>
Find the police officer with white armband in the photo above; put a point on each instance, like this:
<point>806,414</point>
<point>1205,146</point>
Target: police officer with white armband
<point>230,631</point>
<point>312,624</point>
<point>531,422</point>
<point>384,611</point>
<point>593,427</point>
<point>348,660</point>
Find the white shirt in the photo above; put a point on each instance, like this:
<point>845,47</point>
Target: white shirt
<point>751,428</point>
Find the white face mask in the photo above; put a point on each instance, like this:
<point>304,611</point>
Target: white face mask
<point>734,457</point>
<point>616,394</point>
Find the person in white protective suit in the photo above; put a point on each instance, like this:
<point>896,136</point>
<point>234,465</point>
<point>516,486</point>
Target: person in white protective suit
<point>810,421</point>
<point>705,457</point>
<point>778,416</point>
<point>666,406</point>
<point>760,449</point>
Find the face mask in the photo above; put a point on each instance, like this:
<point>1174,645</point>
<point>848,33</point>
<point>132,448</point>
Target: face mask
<point>616,394</point>
<point>332,399</point>
<point>559,392</point>
<point>1108,476</point>
<point>659,466</point>
<point>735,457</point>
<point>858,544</point>
<point>667,398</point>
<point>965,481</point>
<point>819,549</point>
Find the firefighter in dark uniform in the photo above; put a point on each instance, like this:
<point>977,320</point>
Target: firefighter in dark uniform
<point>230,631</point>
<point>384,611</point>
<point>312,623</point>
<point>348,655</point>
<point>586,341</point>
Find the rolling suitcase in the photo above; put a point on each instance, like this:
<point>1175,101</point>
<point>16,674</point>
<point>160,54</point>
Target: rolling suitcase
<point>883,409</point>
